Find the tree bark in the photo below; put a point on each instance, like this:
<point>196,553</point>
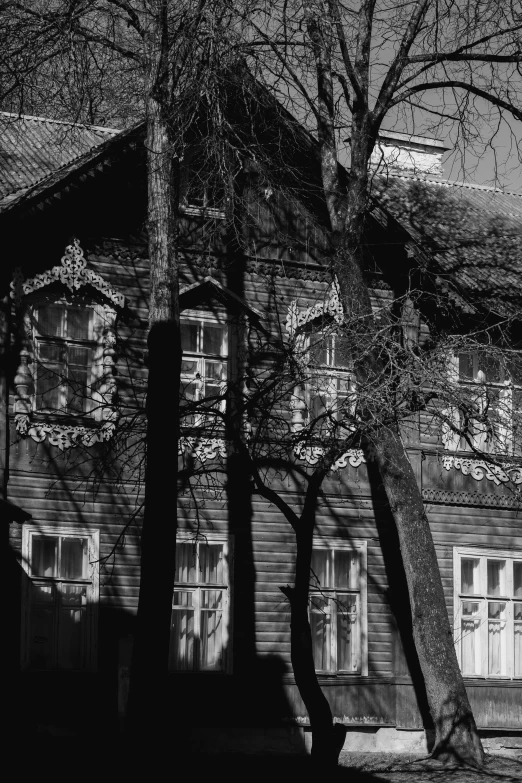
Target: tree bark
<point>149,670</point>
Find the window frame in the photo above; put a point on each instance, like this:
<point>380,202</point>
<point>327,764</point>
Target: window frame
<point>187,536</point>
<point>90,643</point>
<point>187,169</point>
<point>483,598</point>
<point>504,428</point>
<point>328,371</point>
<point>361,547</point>
<point>222,320</point>
<point>91,343</point>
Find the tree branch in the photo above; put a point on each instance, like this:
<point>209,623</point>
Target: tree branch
<point>501,104</point>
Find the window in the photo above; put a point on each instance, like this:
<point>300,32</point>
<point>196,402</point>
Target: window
<point>338,607</point>
<point>331,389</point>
<point>491,385</point>
<point>199,632</point>
<point>204,342</point>
<point>61,598</point>
<point>202,185</point>
<point>488,612</point>
<point>64,353</point>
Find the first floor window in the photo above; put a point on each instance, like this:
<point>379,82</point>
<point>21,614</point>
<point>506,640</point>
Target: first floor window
<point>338,606</point>
<point>488,612</point>
<point>60,597</point>
<point>199,631</point>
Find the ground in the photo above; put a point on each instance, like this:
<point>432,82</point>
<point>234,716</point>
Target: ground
<point>354,768</point>
<point>393,768</point>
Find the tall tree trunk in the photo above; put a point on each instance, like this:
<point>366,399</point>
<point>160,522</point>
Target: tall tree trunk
<point>456,732</point>
<point>148,688</point>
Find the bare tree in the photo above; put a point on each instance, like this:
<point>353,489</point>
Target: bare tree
<point>120,58</point>
<point>348,68</point>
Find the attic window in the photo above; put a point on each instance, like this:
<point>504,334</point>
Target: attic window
<point>202,185</point>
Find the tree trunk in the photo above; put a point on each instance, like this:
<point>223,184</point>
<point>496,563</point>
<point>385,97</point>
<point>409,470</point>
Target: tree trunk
<point>456,732</point>
<point>148,688</point>
<point>327,738</point>
<point>456,735</point>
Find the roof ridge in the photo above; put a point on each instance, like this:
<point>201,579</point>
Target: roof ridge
<point>102,128</point>
<point>456,184</point>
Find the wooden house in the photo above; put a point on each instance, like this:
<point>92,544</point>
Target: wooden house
<point>74,280</point>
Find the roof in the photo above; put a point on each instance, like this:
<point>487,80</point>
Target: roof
<point>472,232</point>
<point>31,148</point>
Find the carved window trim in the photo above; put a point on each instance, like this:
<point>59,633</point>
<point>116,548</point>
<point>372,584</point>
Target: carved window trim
<point>66,430</point>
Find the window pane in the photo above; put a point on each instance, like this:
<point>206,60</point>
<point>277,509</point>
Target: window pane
<point>70,643</point>
<point>182,635</point>
<point>319,349</point>
<point>74,558</point>
<point>211,563</point>
<point>42,631</point>
<point>78,319</point>
<point>212,339</point>
<point>45,593</point>
<point>466,366</point>
<point>189,366</point>
<point>51,320</point>
<point>347,633</point>
<point>469,576</point>
<point>48,388</point>
<point>320,559</point>
<point>320,627</point>
<point>517,579</point>
<point>214,371</point>
<point>186,563</point>
<point>496,577</point>
<point>50,353</point>
<point>188,391</point>
<point>470,642</point>
<point>189,337</point>
<point>343,356</point>
<point>346,568</point>
<point>79,358</point>
<point>211,641</point>
<point>497,663</point>
<point>44,556</point>
<point>517,611</point>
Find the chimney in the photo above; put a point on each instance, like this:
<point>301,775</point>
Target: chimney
<point>397,153</point>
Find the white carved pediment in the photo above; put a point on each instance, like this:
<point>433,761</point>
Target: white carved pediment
<point>73,272</point>
<point>329,306</point>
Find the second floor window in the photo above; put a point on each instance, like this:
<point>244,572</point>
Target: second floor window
<point>331,389</point>
<point>204,342</point>
<point>491,387</point>
<point>64,354</point>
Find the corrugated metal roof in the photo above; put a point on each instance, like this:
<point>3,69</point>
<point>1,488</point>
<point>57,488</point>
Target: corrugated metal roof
<point>33,147</point>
